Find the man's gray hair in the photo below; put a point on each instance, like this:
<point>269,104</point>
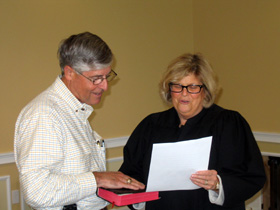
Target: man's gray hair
<point>84,52</point>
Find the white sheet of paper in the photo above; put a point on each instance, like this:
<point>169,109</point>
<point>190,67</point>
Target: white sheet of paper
<point>172,164</point>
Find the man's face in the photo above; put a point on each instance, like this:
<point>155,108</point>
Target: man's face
<point>82,88</point>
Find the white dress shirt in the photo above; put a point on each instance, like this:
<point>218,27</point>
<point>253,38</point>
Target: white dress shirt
<point>56,152</point>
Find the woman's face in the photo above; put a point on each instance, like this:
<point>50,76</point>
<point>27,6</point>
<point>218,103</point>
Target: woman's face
<point>187,104</point>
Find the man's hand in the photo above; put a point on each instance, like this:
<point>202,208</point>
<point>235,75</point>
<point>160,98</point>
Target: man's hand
<point>116,180</point>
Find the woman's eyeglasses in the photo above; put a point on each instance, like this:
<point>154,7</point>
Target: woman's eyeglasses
<point>177,88</point>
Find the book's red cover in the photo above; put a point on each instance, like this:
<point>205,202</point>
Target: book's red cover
<point>124,197</point>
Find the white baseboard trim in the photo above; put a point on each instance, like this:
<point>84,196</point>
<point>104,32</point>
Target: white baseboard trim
<point>267,137</point>
<point>116,159</point>
<point>9,158</point>
<point>116,142</point>
<point>6,158</point>
<point>271,154</point>
<point>7,179</point>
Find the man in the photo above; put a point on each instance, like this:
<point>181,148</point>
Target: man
<point>61,160</point>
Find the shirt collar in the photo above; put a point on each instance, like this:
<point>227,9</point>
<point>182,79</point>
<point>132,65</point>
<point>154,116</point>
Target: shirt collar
<point>74,104</point>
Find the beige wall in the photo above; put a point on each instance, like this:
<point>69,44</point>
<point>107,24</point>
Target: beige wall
<point>241,40</point>
<point>144,36</point>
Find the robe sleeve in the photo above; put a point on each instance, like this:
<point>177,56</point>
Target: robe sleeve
<point>240,163</point>
<point>135,149</point>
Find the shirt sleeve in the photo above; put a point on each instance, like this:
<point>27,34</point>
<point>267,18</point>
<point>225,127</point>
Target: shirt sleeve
<point>217,198</point>
<point>139,206</point>
<point>39,157</point>
<point>135,149</point>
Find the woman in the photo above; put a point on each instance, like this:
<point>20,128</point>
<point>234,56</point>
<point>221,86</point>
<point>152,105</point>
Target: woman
<point>235,171</point>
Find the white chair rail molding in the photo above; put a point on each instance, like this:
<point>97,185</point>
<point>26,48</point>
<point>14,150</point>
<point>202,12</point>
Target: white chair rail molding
<point>255,203</point>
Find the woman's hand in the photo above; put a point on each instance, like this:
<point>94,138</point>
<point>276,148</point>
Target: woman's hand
<point>206,179</point>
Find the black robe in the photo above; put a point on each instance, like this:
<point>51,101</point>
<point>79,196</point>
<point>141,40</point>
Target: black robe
<point>234,155</point>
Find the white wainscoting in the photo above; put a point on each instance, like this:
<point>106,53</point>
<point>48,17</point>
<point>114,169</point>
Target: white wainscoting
<point>6,158</point>
<point>5,192</point>
<point>114,163</point>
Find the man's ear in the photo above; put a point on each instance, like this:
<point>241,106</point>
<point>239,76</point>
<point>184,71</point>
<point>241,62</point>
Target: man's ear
<point>68,73</point>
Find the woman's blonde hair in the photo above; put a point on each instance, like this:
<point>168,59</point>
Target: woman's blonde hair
<point>185,65</point>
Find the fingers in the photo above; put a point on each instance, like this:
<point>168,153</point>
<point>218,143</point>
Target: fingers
<point>206,179</point>
<point>131,183</point>
<point>116,180</point>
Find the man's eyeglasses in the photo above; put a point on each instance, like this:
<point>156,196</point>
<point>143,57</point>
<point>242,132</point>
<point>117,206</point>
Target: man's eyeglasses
<point>96,80</point>
<point>177,88</point>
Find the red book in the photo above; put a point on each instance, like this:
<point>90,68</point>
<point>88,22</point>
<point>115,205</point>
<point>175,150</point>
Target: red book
<point>124,197</point>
